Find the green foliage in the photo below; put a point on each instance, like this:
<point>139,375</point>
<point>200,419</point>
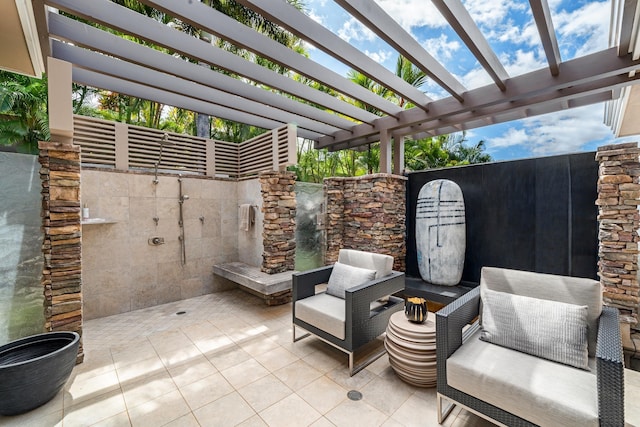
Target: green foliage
<point>23,112</point>
<point>443,151</point>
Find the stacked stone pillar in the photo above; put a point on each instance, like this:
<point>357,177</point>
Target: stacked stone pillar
<point>62,273</point>
<point>618,200</point>
<point>279,208</point>
<point>366,213</point>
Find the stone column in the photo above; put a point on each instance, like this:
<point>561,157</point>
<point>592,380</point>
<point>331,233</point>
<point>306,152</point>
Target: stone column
<point>279,208</point>
<point>618,200</point>
<point>367,213</point>
<point>61,247</point>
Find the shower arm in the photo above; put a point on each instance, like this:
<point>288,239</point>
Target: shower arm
<point>164,141</point>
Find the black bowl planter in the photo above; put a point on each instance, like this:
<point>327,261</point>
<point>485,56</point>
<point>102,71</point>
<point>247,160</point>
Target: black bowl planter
<point>34,369</point>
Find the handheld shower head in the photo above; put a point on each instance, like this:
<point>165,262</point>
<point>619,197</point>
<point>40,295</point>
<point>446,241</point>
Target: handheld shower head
<point>163,141</point>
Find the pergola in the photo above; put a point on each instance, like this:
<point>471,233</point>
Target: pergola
<point>103,60</point>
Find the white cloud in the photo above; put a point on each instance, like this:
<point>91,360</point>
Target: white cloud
<point>380,56</point>
<point>441,47</point>
<point>584,30</point>
<point>491,12</point>
<point>563,132</point>
<point>517,63</point>
<point>522,62</point>
<point>413,13</point>
<point>319,19</point>
<point>354,30</point>
<point>511,138</point>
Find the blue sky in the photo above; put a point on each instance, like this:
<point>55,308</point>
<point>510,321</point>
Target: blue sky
<point>581,27</point>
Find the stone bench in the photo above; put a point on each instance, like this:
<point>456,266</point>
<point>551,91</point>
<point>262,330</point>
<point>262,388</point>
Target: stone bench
<point>275,289</point>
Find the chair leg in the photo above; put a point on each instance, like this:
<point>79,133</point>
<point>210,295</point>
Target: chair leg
<point>298,338</point>
<point>369,360</point>
<point>442,416</point>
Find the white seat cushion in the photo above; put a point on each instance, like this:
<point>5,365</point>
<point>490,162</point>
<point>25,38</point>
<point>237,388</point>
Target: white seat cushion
<point>523,384</point>
<point>323,311</point>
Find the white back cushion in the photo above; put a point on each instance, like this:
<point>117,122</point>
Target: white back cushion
<point>571,290</point>
<point>382,264</point>
<point>345,276</point>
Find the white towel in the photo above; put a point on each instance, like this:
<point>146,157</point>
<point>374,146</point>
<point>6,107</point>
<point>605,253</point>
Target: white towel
<point>247,217</point>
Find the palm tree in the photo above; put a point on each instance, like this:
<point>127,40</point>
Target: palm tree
<point>23,112</point>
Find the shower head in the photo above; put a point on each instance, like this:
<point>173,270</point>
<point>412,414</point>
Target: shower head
<point>165,140</point>
<point>185,197</point>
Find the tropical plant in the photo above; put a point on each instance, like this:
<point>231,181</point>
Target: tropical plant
<point>23,112</point>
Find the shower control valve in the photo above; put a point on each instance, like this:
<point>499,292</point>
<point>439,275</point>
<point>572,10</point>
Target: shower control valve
<point>155,241</point>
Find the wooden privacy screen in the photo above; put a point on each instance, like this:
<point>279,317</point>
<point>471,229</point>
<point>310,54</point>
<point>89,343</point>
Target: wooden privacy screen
<point>120,146</point>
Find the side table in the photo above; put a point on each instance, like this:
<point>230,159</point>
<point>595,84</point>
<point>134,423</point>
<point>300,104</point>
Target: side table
<point>412,349</point>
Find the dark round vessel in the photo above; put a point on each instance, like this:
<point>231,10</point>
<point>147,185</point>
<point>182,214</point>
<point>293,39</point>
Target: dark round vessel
<point>34,369</point>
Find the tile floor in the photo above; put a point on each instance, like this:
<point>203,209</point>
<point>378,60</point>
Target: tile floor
<point>227,361</point>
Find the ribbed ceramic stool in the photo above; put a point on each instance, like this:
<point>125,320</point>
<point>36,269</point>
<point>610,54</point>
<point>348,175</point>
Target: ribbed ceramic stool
<point>412,349</point>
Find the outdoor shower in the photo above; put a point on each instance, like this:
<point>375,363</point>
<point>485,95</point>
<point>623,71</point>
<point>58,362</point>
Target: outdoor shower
<point>164,141</point>
<point>181,199</point>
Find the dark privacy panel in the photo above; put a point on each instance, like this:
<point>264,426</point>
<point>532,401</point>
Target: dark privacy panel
<point>535,215</point>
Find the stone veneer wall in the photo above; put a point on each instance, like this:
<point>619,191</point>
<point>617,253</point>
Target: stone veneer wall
<point>618,200</point>
<point>366,213</point>
<point>62,242</point>
<point>279,233</point>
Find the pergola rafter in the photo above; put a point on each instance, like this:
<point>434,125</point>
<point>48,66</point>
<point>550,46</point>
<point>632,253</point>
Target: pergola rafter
<point>460,20</point>
<point>101,41</point>
<point>265,98</point>
<point>307,29</point>
<point>378,21</point>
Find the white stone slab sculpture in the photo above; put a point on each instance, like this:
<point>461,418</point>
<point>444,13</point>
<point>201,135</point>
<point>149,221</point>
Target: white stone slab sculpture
<point>440,232</point>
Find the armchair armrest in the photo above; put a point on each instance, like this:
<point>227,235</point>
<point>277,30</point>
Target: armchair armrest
<point>451,319</point>
<point>363,325</point>
<point>610,369</point>
<point>303,284</point>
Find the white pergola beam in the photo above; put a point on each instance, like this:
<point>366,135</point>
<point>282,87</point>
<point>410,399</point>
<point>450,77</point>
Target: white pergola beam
<point>103,81</point>
<point>202,16</point>
<point>306,28</point>
<point>170,83</point>
<point>128,21</point>
<point>90,37</point>
<point>377,20</point>
<point>575,72</point>
<point>542,16</point>
<point>460,20</point>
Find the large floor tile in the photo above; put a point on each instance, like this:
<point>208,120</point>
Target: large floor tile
<point>244,373</point>
<point>204,391</point>
<point>94,410</point>
<point>159,411</point>
<point>229,410</point>
<point>79,388</point>
<point>323,394</point>
<point>350,413</point>
<point>298,374</point>
<point>148,388</point>
<point>291,411</point>
<point>264,392</point>
<point>191,371</point>
<point>276,358</point>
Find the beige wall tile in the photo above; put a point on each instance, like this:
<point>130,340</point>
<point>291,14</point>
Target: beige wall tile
<point>149,275</point>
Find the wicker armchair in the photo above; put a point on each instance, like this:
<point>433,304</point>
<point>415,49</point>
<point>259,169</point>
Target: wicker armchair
<point>517,389</point>
<point>359,317</point>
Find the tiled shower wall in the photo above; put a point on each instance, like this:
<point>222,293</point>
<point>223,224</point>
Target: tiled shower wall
<point>123,272</point>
